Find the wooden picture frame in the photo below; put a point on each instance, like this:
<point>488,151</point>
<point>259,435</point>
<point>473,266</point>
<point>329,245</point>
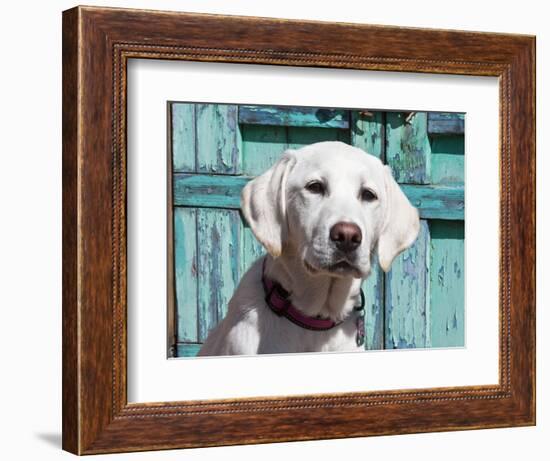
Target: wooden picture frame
<point>97,43</point>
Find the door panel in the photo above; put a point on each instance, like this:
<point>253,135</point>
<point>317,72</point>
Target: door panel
<point>217,148</point>
<point>186,273</point>
<point>447,283</point>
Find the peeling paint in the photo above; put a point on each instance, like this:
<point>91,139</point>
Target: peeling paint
<point>183,137</point>
<point>407,147</point>
<point>447,295</point>
<point>294,117</point>
<point>406,324</point>
<point>216,128</point>
<point>456,268</point>
<point>218,236</point>
<point>441,275</point>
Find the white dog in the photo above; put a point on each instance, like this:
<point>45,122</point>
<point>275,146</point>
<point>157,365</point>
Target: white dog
<point>321,212</point>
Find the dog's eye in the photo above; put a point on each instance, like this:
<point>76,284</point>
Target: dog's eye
<point>316,187</point>
<point>367,195</point>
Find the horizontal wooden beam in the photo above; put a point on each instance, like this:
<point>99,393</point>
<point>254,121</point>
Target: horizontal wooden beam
<point>294,116</point>
<point>445,123</point>
<point>187,349</point>
<point>212,191</point>
<point>436,202</point>
<point>223,191</point>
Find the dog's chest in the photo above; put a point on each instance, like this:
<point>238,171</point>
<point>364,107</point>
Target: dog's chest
<point>280,336</point>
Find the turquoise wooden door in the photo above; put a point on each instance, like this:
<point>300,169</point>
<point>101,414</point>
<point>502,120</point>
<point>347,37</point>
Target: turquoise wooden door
<point>217,148</point>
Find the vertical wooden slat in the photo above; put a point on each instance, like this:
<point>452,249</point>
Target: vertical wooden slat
<point>408,147</point>
<point>251,249</point>
<point>368,133</point>
<point>447,283</point>
<point>406,289</point>
<point>446,295</point>
<point>261,147</point>
<point>171,327</point>
<point>373,288</point>
<point>218,264</point>
<point>183,137</point>
<point>186,276</point>
<point>217,138</point>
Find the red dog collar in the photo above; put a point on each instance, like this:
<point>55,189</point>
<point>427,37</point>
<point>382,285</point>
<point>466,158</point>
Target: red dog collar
<point>278,300</point>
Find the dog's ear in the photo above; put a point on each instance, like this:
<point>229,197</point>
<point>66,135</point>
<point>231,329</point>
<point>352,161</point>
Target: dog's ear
<point>263,203</point>
<point>401,223</point>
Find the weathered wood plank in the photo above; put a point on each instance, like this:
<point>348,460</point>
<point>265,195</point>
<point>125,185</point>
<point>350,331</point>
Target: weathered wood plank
<point>218,191</point>
<point>183,137</point>
<point>218,264</point>
<point>373,288</point>
<point>436,202</point>
<point>368,132</point>
<point>261,147</point>
<point>446,283</point>
<point>187,349</point>
<point>211,191</point>
<point>293,116</point>
<point>408,147</point>
<point>218,138</point>
<point>406,290</point>
<point>185,264</point>
<point>443,123</point>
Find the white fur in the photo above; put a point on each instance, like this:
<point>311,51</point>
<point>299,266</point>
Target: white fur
<point>293,224</point>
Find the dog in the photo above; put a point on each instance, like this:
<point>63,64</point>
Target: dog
<point>321,212</point>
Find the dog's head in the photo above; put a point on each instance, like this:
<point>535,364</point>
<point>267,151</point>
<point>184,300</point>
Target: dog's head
<point>333,205</point>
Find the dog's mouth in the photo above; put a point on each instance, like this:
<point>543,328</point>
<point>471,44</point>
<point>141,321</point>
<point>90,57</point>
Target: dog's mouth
<point>342,268</point>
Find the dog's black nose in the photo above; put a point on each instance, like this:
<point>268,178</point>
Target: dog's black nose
<point>346,236</point>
